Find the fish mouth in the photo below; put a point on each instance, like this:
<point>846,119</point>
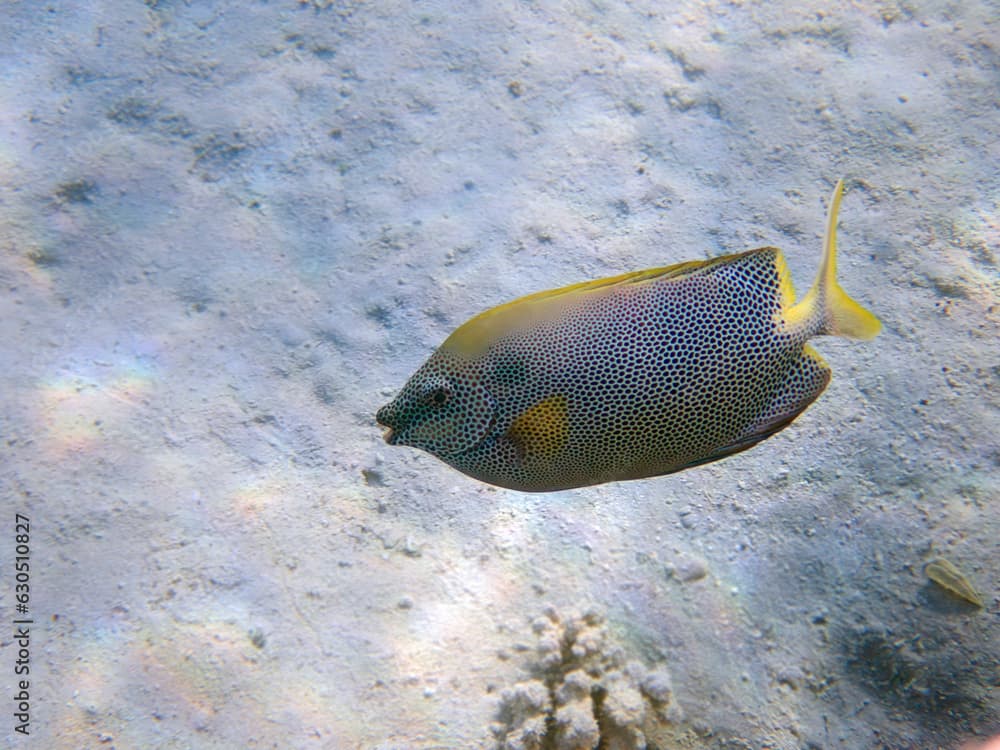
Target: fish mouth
<point>383,417</point>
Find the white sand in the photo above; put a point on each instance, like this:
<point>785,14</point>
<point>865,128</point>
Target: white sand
<point>232,230</point>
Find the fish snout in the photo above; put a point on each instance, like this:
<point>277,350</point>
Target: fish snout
<point>384,418</point>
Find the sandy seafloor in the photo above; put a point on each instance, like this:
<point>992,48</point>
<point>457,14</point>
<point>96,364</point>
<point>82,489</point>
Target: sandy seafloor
<point>232,230</point>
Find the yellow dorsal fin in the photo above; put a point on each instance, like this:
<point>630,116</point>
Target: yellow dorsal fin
<point>786,289</point>
<point>479,332</point>
<point>826,308</point>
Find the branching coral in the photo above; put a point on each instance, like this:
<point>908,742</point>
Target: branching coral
<point>583,693</point>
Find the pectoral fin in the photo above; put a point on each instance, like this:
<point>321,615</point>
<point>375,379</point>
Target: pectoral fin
<point>540,432</point>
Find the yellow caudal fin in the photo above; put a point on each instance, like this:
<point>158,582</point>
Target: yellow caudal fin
<point>826,308</point>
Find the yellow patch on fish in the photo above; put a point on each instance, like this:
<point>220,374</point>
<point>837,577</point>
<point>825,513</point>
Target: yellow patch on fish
<point>627,377</point>
<point>539,433</point>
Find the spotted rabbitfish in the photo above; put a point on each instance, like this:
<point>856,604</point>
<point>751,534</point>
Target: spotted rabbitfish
<point>632,376</point>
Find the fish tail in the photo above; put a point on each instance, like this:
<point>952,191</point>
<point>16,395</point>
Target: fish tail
<point>826,308</point>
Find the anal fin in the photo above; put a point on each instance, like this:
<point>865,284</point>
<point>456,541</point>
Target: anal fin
<point>806,380</point>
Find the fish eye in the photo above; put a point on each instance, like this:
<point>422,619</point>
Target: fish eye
<point>439,396</point>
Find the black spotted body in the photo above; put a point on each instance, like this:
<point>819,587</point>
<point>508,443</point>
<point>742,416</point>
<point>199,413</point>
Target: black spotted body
<point>633,376</point>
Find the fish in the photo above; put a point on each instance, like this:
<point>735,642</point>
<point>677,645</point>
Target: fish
<point>629,377</point>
